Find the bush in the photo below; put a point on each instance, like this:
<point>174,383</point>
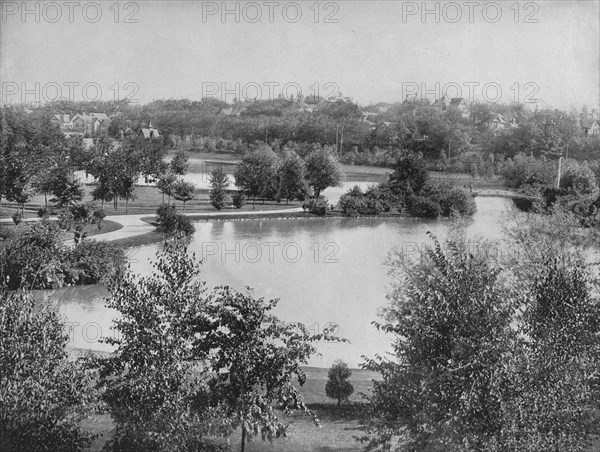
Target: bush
<point>93,262</point>
<point>317,206</point>
<point>44,394</point>
<point>238,199</point>
<point>172,223</point>
<point>424,207</point>
<point>458,200</point>
<point>17,218</point>
<point>99,215</point>
<point>350,205</point>
<point>43,212</point>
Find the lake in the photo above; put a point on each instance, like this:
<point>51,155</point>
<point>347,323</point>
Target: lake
<point>323,271</point>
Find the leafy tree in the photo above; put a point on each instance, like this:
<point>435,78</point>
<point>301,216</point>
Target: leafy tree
<point>172,223</point>
<point>291,179</point>
<point>183,191</point>
<point>180,162</point>
<point>255,359</point>
<point>551,394</point>
<point>323,170</point>
<point>450,320</point>
<point>66,191</point>
<point>337,386</point>
<point>409,176</point>
<point>218,184</point>
<point>256,174</point>
<point>165,185</point>
<point>147,383</point>
<point>44,394</point>
<point>578,178</point>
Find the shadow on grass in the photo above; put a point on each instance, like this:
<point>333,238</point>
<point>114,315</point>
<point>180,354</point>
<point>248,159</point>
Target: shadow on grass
<point>345,412</point>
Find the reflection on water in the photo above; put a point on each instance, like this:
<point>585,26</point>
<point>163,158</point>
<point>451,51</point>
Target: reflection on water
<point>323,271</point>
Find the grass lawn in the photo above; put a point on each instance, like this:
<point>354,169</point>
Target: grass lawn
<point>338,427</point>
<point>91,229</point>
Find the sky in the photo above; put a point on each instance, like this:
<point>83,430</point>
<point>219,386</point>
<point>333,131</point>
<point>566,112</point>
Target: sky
<point>371,51</point>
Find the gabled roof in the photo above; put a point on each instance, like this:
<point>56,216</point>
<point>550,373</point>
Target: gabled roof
<point>457,101</point>
<point>100,116</point>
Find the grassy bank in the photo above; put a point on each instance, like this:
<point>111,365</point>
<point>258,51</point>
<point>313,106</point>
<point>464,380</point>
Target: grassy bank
<point>339,425</point>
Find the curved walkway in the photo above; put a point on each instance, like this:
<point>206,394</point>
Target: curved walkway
<point>133,224</point>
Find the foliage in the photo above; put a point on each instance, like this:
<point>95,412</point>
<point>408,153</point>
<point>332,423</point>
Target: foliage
<point>180,163</point>
<point>44,395</point>
<point>238,199</point>
<point>183,191</point>
<point>255,359</point>
<point>256,174</point>
<point>337,386</point>
<point>165,184</point>
<point>190,365</point>
<point>218,184</point>
<point>450,320</point>
<point>409,176</point>
<point>291,179</point>
<point>318,206</point>
<point>147,383</point>
<point>459,201</point>
<point>528,171</point>
<point>424,207</point>
<point>17,218</point>
<point>558,347</point>
<point>38,259</point>
<point>172,223</point>
<point>578,178</point>
<point>355,202</point>
<point>323,170</point>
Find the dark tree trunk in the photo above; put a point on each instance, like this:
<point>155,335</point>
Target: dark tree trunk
<point>243,445</point>
<point>339,401</point>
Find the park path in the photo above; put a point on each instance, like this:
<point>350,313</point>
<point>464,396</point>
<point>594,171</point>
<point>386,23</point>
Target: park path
<point>134,226</point>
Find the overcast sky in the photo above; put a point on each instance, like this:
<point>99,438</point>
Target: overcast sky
<point>371,51</point>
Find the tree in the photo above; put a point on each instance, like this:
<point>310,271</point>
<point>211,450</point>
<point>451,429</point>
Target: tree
<point>337,386</point>
<point>180,162</point>
<point>183,191</point>
<point>323,170</point>
<point>66,191</point>
<point>165,185</point>
<point>450,322</point>
<point>45,395</point>
<point>409,176</point>
<point>255,359</point>
<point>147,383</point>
<point>218,183</point>
<point>256,174</point>
<point>560,348</point>
<point>291,179</point>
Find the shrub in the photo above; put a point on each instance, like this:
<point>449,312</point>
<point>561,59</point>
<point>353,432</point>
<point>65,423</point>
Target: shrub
<point>17,218</point>
<point>317,206</point>
<point>458,200</point>
<point>43,212</point>
<point>350,205</point>
<point>94,261</point>
<point>99,215</point>
<point>172,223</point>
<point>424,207</point>
<point>44,394</point>
<point>238,199</point>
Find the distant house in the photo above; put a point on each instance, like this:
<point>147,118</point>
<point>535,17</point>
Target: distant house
<point>590,127</point>
<point>498,122</point>
<point>441,104</point>
<point>149,132</point>
<point>92,125</point>
<point>461,105</point>
<point>590,123</point>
